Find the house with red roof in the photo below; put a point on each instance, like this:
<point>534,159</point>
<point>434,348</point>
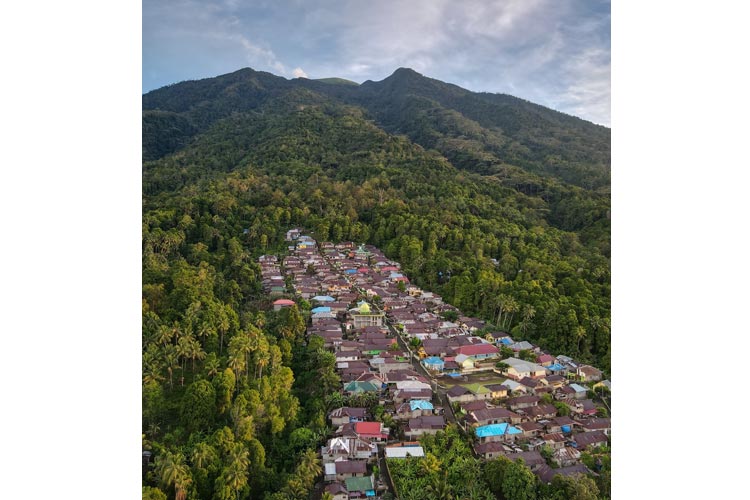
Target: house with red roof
<point>373,431</point>
<point>281,303</point>
<point>478,351</point>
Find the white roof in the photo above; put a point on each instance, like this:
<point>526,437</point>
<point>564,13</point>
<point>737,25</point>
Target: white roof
<point>330,469</point>
<point>411,385</point>
<point>403,451</point>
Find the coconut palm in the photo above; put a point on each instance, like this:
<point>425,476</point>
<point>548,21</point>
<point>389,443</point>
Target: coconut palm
<point>171,360</point>
<point>203,455</point>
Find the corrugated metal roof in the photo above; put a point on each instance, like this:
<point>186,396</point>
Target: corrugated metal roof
<point>496,430</point>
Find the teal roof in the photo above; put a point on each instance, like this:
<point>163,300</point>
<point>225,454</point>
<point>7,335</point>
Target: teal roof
<point>496,430</point>
<point>432,360</point>
<point>418,404</point>
<point>356,386</point>
<point>359,484</point>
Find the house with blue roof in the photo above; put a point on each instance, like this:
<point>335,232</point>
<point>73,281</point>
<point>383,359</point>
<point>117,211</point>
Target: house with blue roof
<point>497,432</point>
<point>414,408</point>
<point>434,364</point>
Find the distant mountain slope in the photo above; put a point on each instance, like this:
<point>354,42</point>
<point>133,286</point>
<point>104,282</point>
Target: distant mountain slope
<point>480,132</point>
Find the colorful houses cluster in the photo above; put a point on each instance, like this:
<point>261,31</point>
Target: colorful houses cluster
<point>360,302</point>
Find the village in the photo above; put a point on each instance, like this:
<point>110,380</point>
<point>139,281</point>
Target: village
<point>426,365</point>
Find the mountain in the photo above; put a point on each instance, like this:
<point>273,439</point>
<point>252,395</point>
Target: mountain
<point>481,132</point>
<point>498,205</point>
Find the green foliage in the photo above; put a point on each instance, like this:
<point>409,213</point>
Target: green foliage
<point>199,406</point>
<point>496,204</point>
<point>448,469</point>
<point>519,483</point>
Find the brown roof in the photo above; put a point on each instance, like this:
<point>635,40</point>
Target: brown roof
<point>585,439</point>
<point>351,467</point>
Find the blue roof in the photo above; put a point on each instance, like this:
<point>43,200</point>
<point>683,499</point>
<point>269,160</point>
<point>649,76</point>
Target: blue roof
<point>321,309</point>
<point>417,404</point>
<point>556,367</point>
<point>324,298</point>
<point>350,271</point>
<point>506,341</point>
<point>496,430</point>
<point>453,375</point>
<point>432,360</point>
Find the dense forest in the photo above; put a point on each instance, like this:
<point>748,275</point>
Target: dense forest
<point>499,205</point>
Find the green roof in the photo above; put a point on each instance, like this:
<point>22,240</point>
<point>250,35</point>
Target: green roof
<point>356,386</point>
<point>359,483</point>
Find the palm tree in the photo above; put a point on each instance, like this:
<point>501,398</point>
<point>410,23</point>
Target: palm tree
<point>213,365</point>
<point>196,352</point>
<point>172,360</point>
<point>579,333</point>
<point>183,351</point>
<point>262,358</point>
<point>430,465</point>
<point>309,468</point>
<point>203,455</point>
<point>439,488</point>
<point>172,471</point>
<point>231,481</point>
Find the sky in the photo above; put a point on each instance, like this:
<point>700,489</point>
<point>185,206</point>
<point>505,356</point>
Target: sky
<point>551,52</point>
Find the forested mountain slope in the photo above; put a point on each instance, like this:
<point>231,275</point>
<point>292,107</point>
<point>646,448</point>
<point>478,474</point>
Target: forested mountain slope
<point>457,186</point>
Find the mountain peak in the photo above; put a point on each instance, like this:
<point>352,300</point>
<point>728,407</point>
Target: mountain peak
<point>405,72</point>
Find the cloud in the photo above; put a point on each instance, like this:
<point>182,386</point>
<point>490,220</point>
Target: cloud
<point>299,73</point>
<point>552,52</point>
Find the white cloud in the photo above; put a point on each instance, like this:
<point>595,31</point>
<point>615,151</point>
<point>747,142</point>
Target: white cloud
<point>299,73</point>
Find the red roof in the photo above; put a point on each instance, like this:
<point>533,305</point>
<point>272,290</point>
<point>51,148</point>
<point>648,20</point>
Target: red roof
<point>367,428</point>
<point>363,270</point>
<point>284,302</point>
<point>544,358</point>
<point>471,350</point>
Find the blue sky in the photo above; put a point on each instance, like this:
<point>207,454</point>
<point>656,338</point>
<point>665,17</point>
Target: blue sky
<point>552,52</point>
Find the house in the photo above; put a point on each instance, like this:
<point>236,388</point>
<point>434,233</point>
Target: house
<point>597,424</point>
<point>478,352</point>
<point>460,394</point>
<point>371,431</point>
<point>588,373</point>
<point>492,416</point>
<point>414,408</point>
<point>404,450</point>
<point>584,440</point>
<point>433,364</point>
<point>561,424</point>
<point>533,459</point>
<point>566,456</point>
<point>360,487</point>
<point>580,391</point>
<point>345,415</point>
<point>344,469</point>
<point>491,449</point>
<point>356,387</point>
<point>282,303</point>
<point>546,473</point>
<point>539,412</point>
<point>582,407</point>
<point>496,432</point>
<point>337,491</point>
<point>497,391</point>
<point>348,448</point>
<point>524,346</point>
<point>464,361</point>
<point>424,425</point>
<point>555,440</point>
<point>522,402</point>
<point>545,360</point>
<point>530,429</point>
<point>518,369</point>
